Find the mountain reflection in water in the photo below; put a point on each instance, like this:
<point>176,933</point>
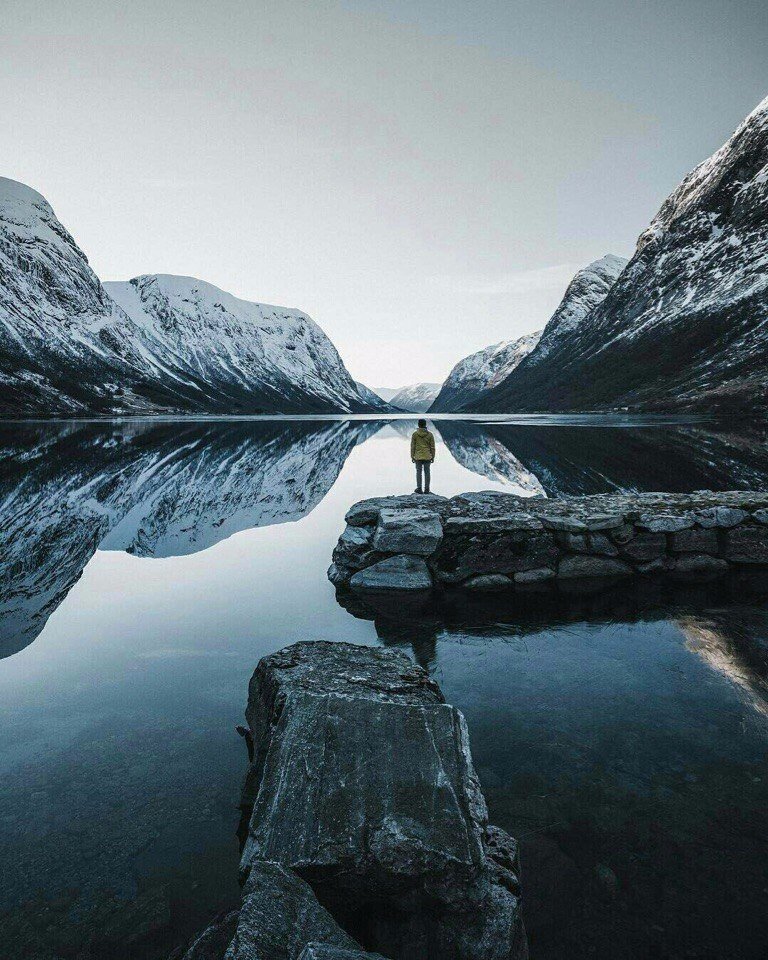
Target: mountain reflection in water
<point>153,490</point>
<point>171,488</point>
<point>622,736</point>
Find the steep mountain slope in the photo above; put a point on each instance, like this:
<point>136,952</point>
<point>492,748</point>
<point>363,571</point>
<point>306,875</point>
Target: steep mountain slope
<point>241,356</point>
<point>479,372</point>
<point>66,346</point>
<point>373,398</point>
<point>567,325</point>
<point>684,327</point>
<point>417,398</point>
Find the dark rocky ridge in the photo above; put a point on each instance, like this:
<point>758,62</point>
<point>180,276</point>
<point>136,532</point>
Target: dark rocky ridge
<point>494,541</point>
<point>366,826</point>
<point>684,325</point>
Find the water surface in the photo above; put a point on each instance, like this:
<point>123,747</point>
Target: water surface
<point>146,566</point>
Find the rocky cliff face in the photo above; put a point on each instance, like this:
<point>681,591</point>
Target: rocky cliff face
<point>565,329</point>
<point>480,372</point>
<point>684,327</point>
<point>67,346</point>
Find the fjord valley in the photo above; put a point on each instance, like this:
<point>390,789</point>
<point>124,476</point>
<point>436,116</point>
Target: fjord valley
<point>261,699</point>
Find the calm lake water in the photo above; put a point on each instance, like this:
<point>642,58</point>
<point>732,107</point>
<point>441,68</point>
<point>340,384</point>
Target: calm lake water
<point>146,567</point>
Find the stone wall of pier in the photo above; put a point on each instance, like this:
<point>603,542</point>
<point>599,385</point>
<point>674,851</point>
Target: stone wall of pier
<point>494,541</point>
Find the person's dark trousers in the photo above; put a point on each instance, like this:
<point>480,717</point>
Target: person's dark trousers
<point>422,469</point>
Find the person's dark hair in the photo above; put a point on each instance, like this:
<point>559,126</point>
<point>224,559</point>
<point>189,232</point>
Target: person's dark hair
<point>422,423</point>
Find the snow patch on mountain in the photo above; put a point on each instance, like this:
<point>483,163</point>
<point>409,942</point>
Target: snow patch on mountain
<point>476,374</point>
<point>417,398</point>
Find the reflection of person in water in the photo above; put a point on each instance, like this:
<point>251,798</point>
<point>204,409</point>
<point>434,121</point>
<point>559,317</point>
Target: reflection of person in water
<point>423,455</point>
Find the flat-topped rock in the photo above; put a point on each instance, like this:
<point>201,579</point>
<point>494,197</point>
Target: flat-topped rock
<point>497,541</point>
<point>365,821</point>
<point>366,512</point>
<point>367,791</point>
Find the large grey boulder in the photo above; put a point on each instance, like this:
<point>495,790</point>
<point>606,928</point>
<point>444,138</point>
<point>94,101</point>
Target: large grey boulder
<point>665,522</point>
<point>354,547</point>
<point>279,916</point>
<point>747,545</point>
<point>394,573</point>
<point>416,532</point>
<point>584,567</point>
<point>720,517</point>
<point>367,790</point>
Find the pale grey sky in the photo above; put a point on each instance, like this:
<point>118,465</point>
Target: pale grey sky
<point>421,176</point>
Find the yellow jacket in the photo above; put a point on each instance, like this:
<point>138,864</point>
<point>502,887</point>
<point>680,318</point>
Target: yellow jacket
<point>422,445</point>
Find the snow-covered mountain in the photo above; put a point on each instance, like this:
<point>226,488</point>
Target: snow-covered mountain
<point>686,324</point>
<point>64,346</point>
<point>374,398</point>
<point>584,293</point>
<point>386,393</point>
<point>153,489</point>
<point>241,356</point>
<point>417,398</point>
<point>178,344</point>
<point>479,372</point>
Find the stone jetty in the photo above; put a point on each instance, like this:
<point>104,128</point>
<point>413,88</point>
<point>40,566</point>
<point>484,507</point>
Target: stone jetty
<point>367,834</point>
<point>494,542</point>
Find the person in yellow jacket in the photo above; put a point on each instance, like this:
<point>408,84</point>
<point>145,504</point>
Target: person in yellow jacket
<point>422,454</point>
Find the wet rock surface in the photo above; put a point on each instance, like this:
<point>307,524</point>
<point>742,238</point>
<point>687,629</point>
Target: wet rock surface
<point>368,792</point>
<point>493,541</point>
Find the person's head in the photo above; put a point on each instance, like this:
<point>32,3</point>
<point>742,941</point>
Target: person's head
<point>422,424</point>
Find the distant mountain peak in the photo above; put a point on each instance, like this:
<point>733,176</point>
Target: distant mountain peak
<point>478,373</point>
<point>416,398</point>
